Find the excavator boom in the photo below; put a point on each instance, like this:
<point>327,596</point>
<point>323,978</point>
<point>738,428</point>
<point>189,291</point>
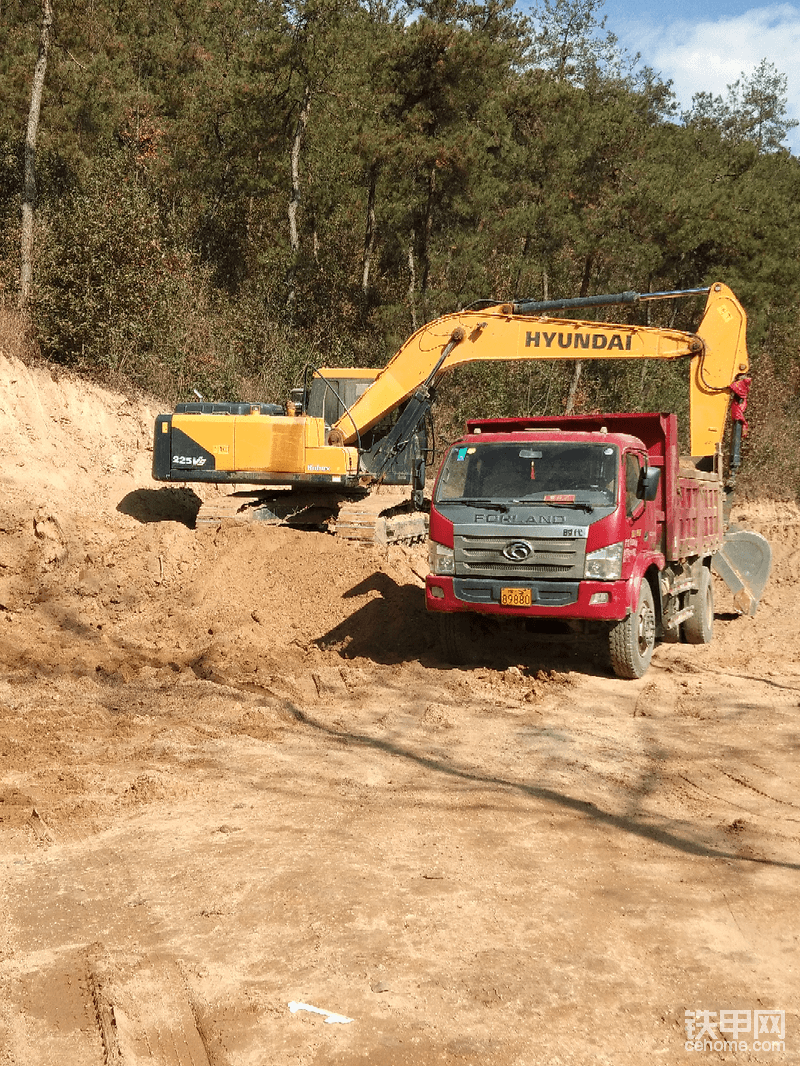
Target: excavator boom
<point>524,331</point>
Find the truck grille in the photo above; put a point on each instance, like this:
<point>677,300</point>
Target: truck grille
<point>553,557</point>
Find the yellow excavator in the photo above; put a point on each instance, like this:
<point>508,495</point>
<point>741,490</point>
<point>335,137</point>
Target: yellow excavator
<point>314,460</point>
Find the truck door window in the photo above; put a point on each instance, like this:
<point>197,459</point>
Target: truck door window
<point>633,469</point>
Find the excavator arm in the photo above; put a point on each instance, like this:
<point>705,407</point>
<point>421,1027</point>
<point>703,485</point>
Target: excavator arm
<point>717,354</point>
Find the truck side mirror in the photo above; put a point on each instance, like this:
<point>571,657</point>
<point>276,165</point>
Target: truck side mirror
<point>648,483</point>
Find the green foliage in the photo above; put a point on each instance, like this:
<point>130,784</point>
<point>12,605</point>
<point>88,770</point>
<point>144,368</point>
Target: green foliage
<point>428,157</point>
<point>754,109</point>
<point>571,40</point>
<point>106,271</point>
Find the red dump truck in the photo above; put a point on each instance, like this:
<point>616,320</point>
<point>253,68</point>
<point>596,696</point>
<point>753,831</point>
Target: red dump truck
<point>584,519</point>
<point>596,520</point>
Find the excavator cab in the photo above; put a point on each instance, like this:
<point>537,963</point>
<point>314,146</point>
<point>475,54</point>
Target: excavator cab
<point>333,391</point>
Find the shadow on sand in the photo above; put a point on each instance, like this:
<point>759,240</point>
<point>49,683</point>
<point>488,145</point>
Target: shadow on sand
<point>161,505</point>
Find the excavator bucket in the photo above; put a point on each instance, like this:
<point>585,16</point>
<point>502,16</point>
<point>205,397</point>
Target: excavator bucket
<point>743,563</point>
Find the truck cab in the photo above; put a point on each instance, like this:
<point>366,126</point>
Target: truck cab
<point>579,519</point>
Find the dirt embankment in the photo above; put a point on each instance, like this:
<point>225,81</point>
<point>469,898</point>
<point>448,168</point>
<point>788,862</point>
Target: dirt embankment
<point>235,774</point>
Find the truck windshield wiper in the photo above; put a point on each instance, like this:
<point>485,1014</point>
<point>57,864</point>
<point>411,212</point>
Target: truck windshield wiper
<point>475,501</point>
<point>493,505</point>
<point>588,507</point>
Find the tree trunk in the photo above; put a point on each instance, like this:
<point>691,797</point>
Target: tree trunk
<point>369,236</point>
<point>297,144</point>
<point>29,180</point>
<point>412,283</point>
<point>516,294</point>
<point>294,199</point>
<point>573,386</point>
<point>424,251</point>
<point>578,366</point>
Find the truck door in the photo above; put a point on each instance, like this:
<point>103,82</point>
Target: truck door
<point>641,515</point>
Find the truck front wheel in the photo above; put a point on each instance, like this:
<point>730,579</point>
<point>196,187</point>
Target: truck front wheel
<point>458,638</point>
<point>632,640</point>
<point>699,629</point>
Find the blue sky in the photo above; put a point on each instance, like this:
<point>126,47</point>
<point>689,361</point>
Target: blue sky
<point>708,47</point>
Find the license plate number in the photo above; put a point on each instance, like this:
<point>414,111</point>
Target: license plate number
<point>515,597</point>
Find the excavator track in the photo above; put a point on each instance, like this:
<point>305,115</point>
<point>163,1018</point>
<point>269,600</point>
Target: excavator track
<point>222,508</point>
<point>381,517</point>
<point>281,508</point>
<point>376,521</point>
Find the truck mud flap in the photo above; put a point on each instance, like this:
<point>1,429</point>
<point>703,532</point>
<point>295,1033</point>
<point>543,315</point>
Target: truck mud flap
<point>743,562</point>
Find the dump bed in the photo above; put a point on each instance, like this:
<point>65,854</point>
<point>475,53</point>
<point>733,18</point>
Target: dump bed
<point>696,525</point>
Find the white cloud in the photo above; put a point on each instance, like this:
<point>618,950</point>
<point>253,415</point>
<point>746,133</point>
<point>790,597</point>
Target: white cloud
<point>710,55</point>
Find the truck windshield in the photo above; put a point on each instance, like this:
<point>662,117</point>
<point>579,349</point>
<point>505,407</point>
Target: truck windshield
<point>547,473</point>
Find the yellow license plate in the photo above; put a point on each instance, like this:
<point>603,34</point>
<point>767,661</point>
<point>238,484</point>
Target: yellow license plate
<point>515,597</point>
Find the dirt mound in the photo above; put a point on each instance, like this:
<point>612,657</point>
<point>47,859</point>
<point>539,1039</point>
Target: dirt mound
<point>67,444</point>
<point>104,577</point>
<point>235,773</point>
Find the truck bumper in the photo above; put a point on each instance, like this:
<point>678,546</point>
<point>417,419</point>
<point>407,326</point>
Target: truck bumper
<point>441,594</point>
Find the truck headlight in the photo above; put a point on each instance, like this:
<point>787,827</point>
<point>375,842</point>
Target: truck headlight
<point>441,560</point>
<point>605,564</point>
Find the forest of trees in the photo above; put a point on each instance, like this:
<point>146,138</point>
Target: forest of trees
<point>228,190</point>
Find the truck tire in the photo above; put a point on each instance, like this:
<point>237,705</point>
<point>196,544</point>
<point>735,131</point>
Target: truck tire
<point>457,638</point>
<point>632,640</point>
<point>699,629</point>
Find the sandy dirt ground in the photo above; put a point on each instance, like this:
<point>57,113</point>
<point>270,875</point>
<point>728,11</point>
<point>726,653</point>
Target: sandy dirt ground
<point>236,774</point>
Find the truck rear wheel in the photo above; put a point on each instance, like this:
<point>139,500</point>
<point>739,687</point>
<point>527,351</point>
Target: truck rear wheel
<point>632,640</point>
<point>458,638</point>
<point>699,629</point>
